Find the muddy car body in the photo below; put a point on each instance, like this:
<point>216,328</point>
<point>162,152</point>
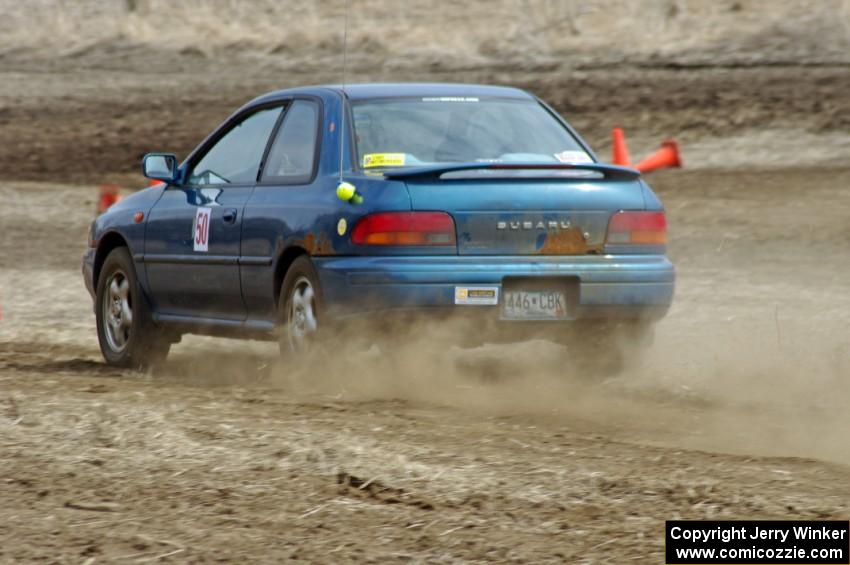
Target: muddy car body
<point>249,235</point>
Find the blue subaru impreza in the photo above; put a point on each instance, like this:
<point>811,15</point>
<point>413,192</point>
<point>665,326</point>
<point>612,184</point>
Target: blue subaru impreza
<point>314,206</point>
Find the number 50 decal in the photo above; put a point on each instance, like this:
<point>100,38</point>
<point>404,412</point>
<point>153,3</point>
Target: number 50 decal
<point>201,229</point>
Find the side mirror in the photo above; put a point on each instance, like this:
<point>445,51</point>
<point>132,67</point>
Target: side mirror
<point>160,166</point>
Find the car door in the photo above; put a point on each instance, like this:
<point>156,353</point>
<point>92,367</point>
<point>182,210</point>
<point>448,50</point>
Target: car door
<point>193,235</point>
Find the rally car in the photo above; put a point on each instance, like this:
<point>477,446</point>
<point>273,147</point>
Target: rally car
<point>312,206</point>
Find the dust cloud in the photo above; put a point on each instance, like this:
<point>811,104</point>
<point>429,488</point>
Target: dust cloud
<point>760,385</point>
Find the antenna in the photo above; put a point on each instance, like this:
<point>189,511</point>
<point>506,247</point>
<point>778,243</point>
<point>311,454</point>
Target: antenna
<point>345,191</point>
<point>342,118</point>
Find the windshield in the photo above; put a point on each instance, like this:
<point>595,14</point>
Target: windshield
<point>402,132</point>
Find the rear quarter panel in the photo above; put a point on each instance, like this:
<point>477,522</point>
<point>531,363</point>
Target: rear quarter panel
<point>306,217</point>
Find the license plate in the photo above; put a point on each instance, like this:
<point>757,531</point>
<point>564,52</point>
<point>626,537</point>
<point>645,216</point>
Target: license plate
<point>534,305</point>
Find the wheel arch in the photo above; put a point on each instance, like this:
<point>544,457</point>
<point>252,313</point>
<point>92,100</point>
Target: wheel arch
<point>108,242</point>
<point>284,261</point>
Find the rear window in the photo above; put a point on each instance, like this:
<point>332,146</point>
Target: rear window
<point>402,132</point>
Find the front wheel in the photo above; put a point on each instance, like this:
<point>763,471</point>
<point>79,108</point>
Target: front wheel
<point>127,336</point>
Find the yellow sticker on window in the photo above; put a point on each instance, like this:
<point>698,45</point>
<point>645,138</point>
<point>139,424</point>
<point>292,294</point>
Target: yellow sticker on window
<point>383,160</point>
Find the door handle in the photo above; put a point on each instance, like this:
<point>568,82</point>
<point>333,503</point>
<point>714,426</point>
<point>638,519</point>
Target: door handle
<point>229,216</point>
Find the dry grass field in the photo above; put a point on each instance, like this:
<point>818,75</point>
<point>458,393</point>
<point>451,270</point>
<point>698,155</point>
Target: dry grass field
<point>382,31</point>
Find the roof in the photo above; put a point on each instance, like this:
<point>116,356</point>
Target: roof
<point>390,90</point>
<point>365,91</point>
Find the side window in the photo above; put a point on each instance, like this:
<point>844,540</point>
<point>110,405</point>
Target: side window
<point>293,153</point>
<point>235,158</point>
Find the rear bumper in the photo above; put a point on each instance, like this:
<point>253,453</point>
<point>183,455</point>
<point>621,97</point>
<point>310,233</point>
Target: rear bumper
<point>609,286</point>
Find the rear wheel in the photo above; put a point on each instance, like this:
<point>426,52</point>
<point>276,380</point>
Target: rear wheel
<point>299,308</point>
<point>127,336</point>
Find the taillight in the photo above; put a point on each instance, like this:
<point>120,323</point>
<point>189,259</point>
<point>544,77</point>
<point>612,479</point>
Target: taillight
<point>637,228</point>
<point>405,228</point>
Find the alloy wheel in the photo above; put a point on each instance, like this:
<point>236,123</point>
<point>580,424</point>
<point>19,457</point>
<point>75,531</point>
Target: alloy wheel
<point>302,322</point>
<point>117,311</point>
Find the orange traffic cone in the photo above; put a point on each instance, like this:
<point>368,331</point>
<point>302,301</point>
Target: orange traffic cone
<point>109,195</point>
<point>667,156</point>
<point>619,149</point>
<point>154,182</point>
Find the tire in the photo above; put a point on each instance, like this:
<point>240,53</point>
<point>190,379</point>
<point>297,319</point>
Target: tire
<point>127,335</point>
<point>299,310</point>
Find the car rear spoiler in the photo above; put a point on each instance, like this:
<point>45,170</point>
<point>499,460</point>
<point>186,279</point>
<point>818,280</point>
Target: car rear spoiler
<point>437,170</point>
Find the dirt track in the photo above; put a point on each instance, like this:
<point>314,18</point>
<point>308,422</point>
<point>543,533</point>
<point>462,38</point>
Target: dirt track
<point>66,126</point>
<point>436,453</point>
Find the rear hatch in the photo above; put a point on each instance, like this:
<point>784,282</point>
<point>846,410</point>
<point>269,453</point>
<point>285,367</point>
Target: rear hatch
<point>525,210</point>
